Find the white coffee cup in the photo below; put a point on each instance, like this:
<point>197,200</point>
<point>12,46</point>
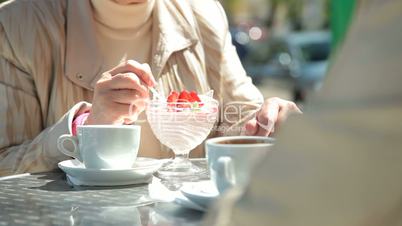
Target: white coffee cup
<point>231,159</point>
<point>103,146</point>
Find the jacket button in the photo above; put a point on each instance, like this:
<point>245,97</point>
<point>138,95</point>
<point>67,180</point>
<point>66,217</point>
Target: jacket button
<point>79,76</point>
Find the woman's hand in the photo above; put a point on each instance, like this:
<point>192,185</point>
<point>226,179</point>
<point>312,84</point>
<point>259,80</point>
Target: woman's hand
<point>272,113</point>
<point>120,94</point>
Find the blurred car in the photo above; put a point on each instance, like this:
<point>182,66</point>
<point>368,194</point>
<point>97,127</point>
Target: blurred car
<point>300,59</point>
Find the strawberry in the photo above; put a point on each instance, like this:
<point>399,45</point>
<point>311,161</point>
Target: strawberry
<point>184,100</point>
<point>196,98</point>
<point>173,96</point>
<point>172,99</point>
<point>184,97</point>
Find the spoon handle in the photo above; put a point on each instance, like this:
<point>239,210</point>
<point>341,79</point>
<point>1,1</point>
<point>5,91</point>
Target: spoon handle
<point>155,93</point>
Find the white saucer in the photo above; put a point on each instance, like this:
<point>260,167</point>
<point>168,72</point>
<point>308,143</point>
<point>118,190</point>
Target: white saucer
<point>185,202</point>
<point>202,193</point>
<point>141,172</point>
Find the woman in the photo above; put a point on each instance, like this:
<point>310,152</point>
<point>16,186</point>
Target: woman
<point>57,56</point>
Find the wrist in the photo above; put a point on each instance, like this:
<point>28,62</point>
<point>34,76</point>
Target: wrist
<point>78,121</point>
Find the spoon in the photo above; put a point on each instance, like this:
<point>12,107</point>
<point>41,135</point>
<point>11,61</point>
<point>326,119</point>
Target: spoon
<point>155,93</point>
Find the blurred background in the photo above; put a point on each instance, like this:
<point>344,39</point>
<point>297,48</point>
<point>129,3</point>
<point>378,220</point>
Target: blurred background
<point>286,45</point>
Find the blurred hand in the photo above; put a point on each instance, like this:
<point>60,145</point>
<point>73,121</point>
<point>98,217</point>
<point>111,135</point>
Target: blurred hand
<point>120,94</point>
<point>272,113</point>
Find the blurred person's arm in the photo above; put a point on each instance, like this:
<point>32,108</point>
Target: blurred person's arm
<point>25,144</point>
<point>333,167</point>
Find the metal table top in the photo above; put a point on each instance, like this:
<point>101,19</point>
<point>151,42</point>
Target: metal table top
<point>47,199</point>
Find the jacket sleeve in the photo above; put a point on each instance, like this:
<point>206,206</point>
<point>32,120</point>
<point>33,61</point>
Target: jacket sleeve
<point>238,97</point>
<point>25,144</point>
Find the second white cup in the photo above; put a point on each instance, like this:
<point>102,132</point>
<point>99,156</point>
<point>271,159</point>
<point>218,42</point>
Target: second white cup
<point>231,159</point>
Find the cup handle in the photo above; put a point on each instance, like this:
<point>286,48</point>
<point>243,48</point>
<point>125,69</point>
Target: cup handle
<point>225,171</point>
<point>60,145</point>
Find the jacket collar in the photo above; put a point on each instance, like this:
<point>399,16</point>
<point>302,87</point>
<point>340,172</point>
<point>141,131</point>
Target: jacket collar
<point>173,30</point>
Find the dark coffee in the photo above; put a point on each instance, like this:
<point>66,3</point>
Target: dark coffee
<point>243,141</point>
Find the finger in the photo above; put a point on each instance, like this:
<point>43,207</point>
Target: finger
<point>128,81</point>
<point>126,111</point>
<point>147,68</point>
<point>119,112</point>
<point>138,105</point>
<point>143,71</point>
<point>136,108</point>
<point>129,121</point>
<point>134,112</point>
<point>294,108</point>
<point>283,115</point>
<point>263,130</point>
<point>251,127</point>
<point>267,118</point>
<point>286,108</point>
<point>124,96</point>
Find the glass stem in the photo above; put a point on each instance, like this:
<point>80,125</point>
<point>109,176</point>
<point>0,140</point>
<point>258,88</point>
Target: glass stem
<point>182,160</point>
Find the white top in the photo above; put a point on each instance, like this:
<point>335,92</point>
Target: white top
<point>123,31</point>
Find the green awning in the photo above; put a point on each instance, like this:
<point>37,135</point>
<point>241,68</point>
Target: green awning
<point>341,15</point>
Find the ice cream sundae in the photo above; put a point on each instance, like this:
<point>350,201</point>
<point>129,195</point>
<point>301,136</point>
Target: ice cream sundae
<point>181,122</point>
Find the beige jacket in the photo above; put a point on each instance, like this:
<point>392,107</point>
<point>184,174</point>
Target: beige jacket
<point>50,62</point>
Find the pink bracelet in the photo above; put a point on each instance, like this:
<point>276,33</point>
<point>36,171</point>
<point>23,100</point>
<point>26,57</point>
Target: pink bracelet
<point>79,120</point>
